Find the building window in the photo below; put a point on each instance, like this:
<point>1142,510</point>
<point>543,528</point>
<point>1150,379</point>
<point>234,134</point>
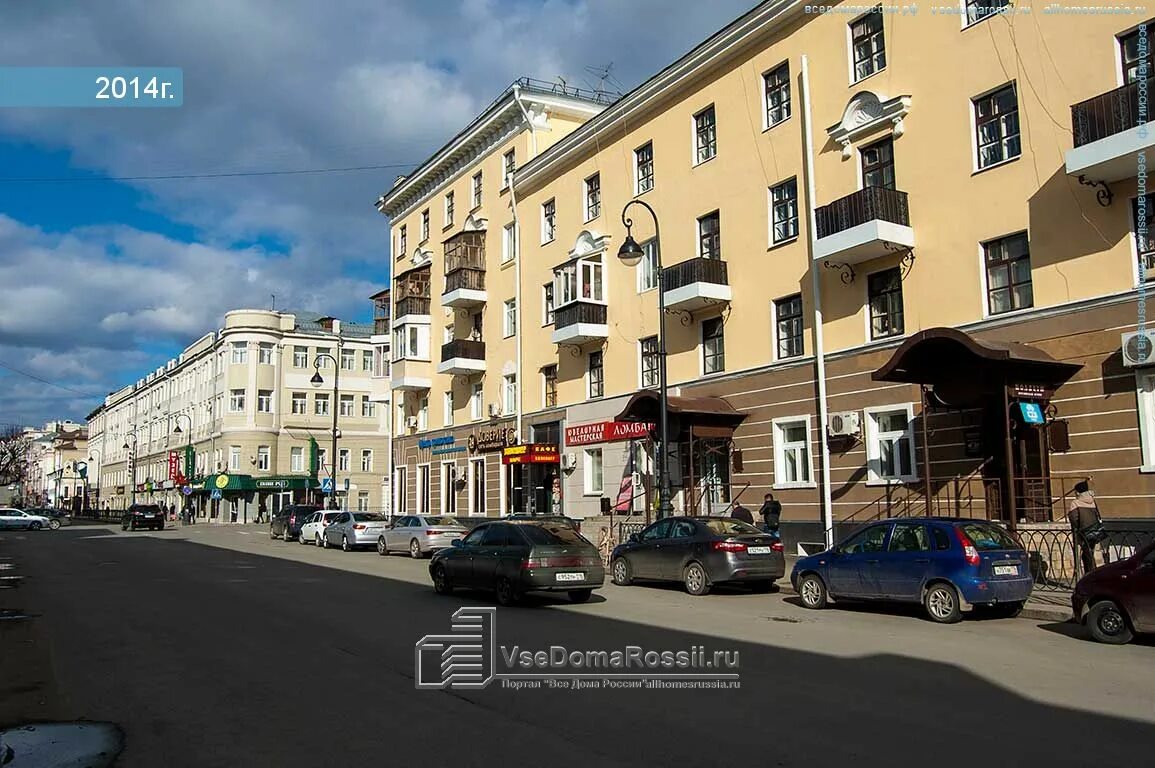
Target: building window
<point>788,327</point>
<point>1008,265</point>
<point>648,351</point>
<point>366,460</point>
<point>346,405</point>
<point>884,290</point>
<point>890,444</point>
<point>548,220</point>
<point>240,352</point>
<point>300,357</point>
<point>1145,392</point>
<point>343,460</point>
<point>366,361</point>
<point>596,375</point>
<point>264,401</point>
<point>792,459</point>
<point>300,406</point>
<point>368,407</point>
<point>236,401</point>
<point>265,354</point>
<point>1143,225</point>
<point>592,470</point>
<point>234,457</point>
<point>476,190</point>
<point>547,304</point>
<point>362,501</point>
<point>321,405</point>
<point>447,404</point>
<point>776,84</point>
<point>404,241</point>
<point>644,168</point>
<point>296,459</point>
<point>878,164</point>
<point>997,127</point>
<point>713,346</point>
<point>710,236</point>
<point>263,458</point>
<point>784,211</point>
<point>508,242</point>
<point>323,357</point>
<point>593,196</point>
<point>348,359</point>
<point>477,487</point>
<point>423,413</point>
<point>449,197</point>
<point>648,266</point>
<point>549,385</point>
<point>509,318</point>
<point>705,135</point>
<point>977,10</point>
<point>509,394</point>
<point>508,166</point>
<point>425,225</point>
<point>399,491</point>
<point>476,402</point>
<point>866,41</point>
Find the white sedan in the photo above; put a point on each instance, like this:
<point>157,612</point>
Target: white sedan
<point>313,531</point>
<point>21,520</point>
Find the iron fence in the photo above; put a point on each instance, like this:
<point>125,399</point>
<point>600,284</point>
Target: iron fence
<point>1056,561</point>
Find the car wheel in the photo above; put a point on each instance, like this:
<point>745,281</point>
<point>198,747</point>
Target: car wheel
<point>942,603</point>
<point>621,572</point>
<point>812,591</point>
<point>441,583</point>
<point>54,525</point>
<point>345,544</point>
<point>324,541</point>
<point>694,577</point>
<point>1108,624</point>
<point>506,593</point>
<point>35,526</point>
<point>316,540</point>
<point>580,595</point>
<point>1007,610</point>
<point>381,548</point>
<point>273,534</point>
<point>415,549</point>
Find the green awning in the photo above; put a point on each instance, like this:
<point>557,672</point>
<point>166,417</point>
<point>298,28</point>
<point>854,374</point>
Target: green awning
<point>225,483</point>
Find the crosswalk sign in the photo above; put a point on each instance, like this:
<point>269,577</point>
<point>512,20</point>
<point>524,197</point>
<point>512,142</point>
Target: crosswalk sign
<point>216,494</point>
<point>326,485</point>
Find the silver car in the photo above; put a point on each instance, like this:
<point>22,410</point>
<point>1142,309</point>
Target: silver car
<point>420,535</point>
<point>21,520</point>
<point>351,530</point>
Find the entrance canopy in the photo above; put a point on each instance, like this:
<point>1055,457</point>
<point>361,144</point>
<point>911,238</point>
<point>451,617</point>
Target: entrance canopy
<point>962,370</point>
<point>709,416</point>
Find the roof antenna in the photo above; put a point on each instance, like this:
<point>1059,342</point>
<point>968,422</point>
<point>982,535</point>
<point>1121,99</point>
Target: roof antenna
<point>274,307</point>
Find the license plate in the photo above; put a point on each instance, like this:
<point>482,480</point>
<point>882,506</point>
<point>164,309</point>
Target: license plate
<point>1006,570</point>
<point>759,550</point>
<point>570,577</point>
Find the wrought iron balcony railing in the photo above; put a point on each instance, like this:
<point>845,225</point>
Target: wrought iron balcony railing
<point>1109,113</point>
<point>696,270</point>
<point>870,204</point>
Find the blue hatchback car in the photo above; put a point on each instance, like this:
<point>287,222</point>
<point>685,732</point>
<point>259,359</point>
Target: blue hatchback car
<point>948,564</point>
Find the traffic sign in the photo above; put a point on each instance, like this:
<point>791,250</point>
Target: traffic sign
<point>186,490</point>
<point>216,494</point>
<point>346,485</point>
<point>326,485</point>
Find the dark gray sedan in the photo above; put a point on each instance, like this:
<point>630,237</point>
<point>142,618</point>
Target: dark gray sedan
<point>511,558</point>
<point>700,552</point>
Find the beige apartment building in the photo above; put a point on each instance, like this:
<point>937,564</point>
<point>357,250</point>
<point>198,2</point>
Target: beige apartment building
<point>903,263</point>
<point>237,426</point>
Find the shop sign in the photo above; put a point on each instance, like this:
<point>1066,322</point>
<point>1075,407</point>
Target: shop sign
<point>606,432</point>
<point>436,442</point>
<point>491,439</point>
<point>173,465</point>
<point>530,453</point>
<point>272,484</point>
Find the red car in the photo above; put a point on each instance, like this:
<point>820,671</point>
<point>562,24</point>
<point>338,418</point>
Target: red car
<point>1117,600</point>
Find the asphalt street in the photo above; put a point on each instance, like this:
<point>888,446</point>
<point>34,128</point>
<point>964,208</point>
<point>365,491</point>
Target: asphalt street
<point>215,646</point>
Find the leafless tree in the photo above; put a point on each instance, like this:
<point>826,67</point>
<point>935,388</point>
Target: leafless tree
<point>14,447</point>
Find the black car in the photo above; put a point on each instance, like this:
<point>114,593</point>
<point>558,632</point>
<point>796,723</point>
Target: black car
<point>512,557</point>
<point>288,521</point>
<point>149,516</point>
<point>700,552</point>
<point>56,517</point>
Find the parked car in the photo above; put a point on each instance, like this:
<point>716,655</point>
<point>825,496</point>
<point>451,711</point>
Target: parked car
<point>56,517</point>
<point>315,524</point>
<point>420,535</point>
<point>1116,601</point>
<point>699,552</point>
<point>351,530</point>
<point>571,522</point>
<point>18,519</point>
<point>947,564</point>
<point>287,522</point>
<point>149,516</point>
<point>512,558</point>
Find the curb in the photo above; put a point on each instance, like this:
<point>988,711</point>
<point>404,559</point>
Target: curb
<point>1031,611</point>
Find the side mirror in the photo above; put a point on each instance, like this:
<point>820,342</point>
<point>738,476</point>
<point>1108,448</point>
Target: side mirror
<point>457,543</point>
<point>633,539</point>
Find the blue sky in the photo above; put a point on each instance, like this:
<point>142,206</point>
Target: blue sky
<point>101,281</point>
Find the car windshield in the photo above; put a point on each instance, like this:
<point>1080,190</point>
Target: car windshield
<point>552,534</point>
<point>988,536</point>
<point>365,517</point>
<point>728,527</point>
<point>446,520</point>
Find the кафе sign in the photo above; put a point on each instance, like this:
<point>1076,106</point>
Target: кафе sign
<point>530,453</point>
<point>606,432</point>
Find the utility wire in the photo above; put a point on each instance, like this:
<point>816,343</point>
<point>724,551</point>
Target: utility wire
<point>34,377</point>
<point>176,176</point>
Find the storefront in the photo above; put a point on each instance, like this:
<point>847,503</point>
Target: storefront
<point>533,478</point>
<point>276,492</point>
<point>602,455</point>
<point>228,498</point>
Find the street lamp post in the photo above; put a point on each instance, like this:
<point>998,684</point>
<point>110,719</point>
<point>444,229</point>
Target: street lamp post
<point>317,381</point>
<point>631,254</point>
<point>132,461</point>
<point>188,444</point>
<point>99,457</point>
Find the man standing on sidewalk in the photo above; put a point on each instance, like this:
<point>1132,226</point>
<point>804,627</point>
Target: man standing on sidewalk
<point>771,513</point>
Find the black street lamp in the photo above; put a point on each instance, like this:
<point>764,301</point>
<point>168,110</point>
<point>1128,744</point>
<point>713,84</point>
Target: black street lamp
<point>631,255</point>
<point>317,381</point>
<point>132,462</point>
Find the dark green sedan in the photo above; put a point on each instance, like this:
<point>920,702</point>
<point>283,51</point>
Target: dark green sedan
<point>513,557</point>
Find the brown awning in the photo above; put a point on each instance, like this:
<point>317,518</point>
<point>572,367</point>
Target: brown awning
<point>685,412</point>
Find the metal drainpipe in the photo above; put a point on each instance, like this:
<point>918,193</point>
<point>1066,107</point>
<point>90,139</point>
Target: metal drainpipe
<point>517,263</point>
<point>819,348</point>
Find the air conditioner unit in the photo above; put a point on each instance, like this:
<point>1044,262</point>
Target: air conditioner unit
<point>411,422</point>
<point>844,423</point>
<point>1139,349</point>
<point>569,461</point>
<point>494,410</point>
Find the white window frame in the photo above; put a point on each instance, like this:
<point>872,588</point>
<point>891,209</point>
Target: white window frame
<point>264,401</point>
<point>586,217</point>
<point>344,459</point>
<point>424,491</point>
<point>447,405</point>
<point>648,266</point>
<point>654,171</point>
<point>641,366</point>
<point>1145,397</point>
<point>766,124</point>
<point>368,408</point>
<point>263,458</point>
<point>967,23</point>
<point>475,190</point>
<point>348,359</point>
<point>362,501</point>
<point>695,149</point>
<point>300,403</point>
<point>477,505</point>
<point>509,242</point>
<point>778,426</point>
<point>366,459</point>
<point>265,353</point>
<point>546,235</point>
<point>399,498</point>
<point>506,171</point>
<point>321,397</point>
<point>548,302</point>
<point>509,394</point>
<point>477,402</point>
<point>449,211</point>
<point>446,486</point>
<point>509,318</point>
<point>300,357</point>
<point>234,457</point>
<point>871,437</point>
<point>351,400</point>
<point>237,401</point>
<point>240,352</point>
<point>423,412</point>
<point>425,225</point>
<point>588,488</point>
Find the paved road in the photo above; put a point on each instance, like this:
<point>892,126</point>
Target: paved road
<point>219,647</point>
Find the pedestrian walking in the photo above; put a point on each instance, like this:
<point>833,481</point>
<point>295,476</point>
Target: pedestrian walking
<point>1086,524</point>
<point>741,513</point>
<point>771,513</point>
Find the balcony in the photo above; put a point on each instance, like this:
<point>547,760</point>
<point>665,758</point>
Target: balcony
<point>464,287</point>
<point>410,306</point>
<point>462,357</point>
<point>695,284</point>
<point>863,226</point>
<point>412,293</point>
<point>580,322</point>
<point>1109,135</point>
<point>410,374</point>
